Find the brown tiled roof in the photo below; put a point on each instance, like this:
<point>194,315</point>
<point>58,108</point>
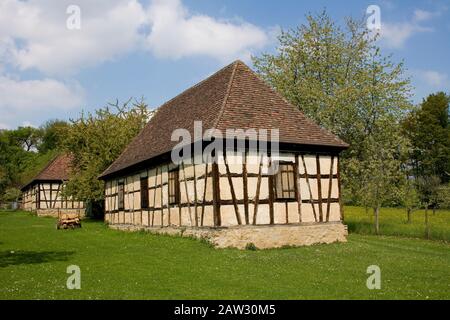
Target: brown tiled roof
<point>233,98</point>
<point>58,169</point>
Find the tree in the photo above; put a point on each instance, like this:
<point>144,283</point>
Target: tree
<point>53,133</point>
<point>428,128</point>
<point>96,140</point>
<point>339,77</point>
<point>428,187</point>
<point>27,137</point>
<point>13,158</point>
<point>379,173</point>
<point>409,197</point>
<point>24,152</point>
<point>444,196</point>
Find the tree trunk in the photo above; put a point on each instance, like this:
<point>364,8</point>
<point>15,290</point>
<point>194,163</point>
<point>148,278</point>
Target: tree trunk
<point>377,223</point>
<point>427,227</point>
<point>408,212</point>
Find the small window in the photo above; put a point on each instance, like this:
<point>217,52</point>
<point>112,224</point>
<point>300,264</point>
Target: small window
<point>174,187</point>
<point>121,196</point>
<point>285,182</point>
<point>144,193</point>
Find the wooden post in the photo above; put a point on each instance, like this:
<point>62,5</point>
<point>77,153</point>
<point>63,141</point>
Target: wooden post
<point>341,208</point>
<point>154,198</point>
<point>319,187</point>
<point>330,185</point>
<point>162,204</point>
<point>258,188</point>
<point>271,196</point>
<point>195,196</point>
<point>245,189</point>
<point>233,193</point>
<point>187,195</point>
<point>168,196</point>
<point>204,194</point>
<point>297,190</point>
<point>216,193</point>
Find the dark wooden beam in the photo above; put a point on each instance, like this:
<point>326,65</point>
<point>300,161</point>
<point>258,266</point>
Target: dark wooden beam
<point>271,197</point>
<point>319,187</point>
<point>204,194</point>
<point>216,194</point>
<point>341,207</point>
<point>245,188</point>
<point>195,197</point>
<point>233,193</point>
<point>330,185</point>
<point>297,189</point>
<point>258,188</point>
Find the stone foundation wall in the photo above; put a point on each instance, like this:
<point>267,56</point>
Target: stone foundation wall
<point>263,237</point>
<point>55,212</point>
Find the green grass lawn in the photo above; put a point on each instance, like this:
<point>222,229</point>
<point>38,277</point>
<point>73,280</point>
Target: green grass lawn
<point>393,222</point>
<point>34,257</point>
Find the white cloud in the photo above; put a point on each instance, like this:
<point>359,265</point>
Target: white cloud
<point>28,98</point>
<point>34,37</point>
<point>423,15</point>
<point>435,79</point>
<point>33,34</point>
<point>395,35</point>
<point>176,33</point>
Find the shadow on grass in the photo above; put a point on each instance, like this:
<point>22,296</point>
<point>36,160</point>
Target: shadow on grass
<point>11,258</point>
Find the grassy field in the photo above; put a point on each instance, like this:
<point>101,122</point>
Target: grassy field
<point>34,257</point>
<point>393,222</point>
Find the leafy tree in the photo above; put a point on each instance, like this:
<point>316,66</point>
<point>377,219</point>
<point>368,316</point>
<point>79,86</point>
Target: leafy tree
<point>378,174</point>
<point>96,140</point>
<point>444,196</point>
<point>27,137</point>
<point>428,128</point>
<point>11,194</point>
<point>428,187</point>
<point>339,77</point>
<point>13,157</point>
<point>409,197</point>
<point>53,133</point>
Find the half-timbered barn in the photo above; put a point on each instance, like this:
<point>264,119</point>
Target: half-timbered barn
<point>43,194</point>
<point>237,200</point>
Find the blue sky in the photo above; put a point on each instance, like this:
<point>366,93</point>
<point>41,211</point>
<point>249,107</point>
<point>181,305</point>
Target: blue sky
<point>156,49</point>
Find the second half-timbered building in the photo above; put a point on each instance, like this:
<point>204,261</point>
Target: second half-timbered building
<point>238,199</point>
<point>43,194</point>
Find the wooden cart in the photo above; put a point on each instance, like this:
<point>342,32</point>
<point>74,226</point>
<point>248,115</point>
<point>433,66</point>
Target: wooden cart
<point>68,220</point>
